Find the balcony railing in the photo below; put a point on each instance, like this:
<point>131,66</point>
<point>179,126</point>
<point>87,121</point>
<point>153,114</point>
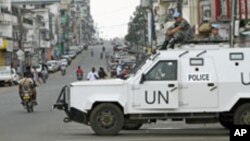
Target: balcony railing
<point>44,44</point>
<point>8,18</point>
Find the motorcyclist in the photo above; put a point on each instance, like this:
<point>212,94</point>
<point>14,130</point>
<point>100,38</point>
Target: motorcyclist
<point>103,49</point>
<point>44,73</point>
<point>28,78</point>
<point>79,72</point>
<point>63,69</point>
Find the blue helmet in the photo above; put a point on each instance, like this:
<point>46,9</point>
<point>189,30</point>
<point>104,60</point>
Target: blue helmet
<point>215,26</point>
<point>176,14</point>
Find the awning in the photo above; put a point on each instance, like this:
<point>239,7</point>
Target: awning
<point>3,44</point>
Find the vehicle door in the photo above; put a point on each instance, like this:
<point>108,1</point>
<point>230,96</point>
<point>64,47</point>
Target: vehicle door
<point>158,88</point>
<point>199,86</point>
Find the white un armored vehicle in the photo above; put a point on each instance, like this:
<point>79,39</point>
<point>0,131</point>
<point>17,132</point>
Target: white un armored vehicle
<point>195,84</point>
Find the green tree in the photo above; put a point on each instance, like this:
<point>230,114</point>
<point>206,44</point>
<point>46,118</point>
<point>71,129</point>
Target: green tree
<point>137,27</point>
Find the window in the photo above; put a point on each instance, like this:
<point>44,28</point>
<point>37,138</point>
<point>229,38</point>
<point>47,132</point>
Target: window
<point>196,62</point>
<point>236,56</point>
<point>163,70</point>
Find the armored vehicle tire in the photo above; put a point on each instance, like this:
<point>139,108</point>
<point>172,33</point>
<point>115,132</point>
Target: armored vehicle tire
<point>242,115</point>
<point>132,126</point>
<point>106,119</point>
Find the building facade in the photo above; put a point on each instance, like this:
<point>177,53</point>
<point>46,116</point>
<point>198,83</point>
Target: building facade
<point>197,12</point>
<point>42,29</point>
<point>7,21</point>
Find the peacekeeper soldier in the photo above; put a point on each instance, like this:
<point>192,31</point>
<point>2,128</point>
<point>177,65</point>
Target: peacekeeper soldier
<point>180,31</point>
<point>215,33</point>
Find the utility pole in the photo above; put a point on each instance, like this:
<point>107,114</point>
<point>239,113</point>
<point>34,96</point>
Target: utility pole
<point>148,4</point>
<point>20,41</point>
<point>150,28</point>
<point>233,17</point>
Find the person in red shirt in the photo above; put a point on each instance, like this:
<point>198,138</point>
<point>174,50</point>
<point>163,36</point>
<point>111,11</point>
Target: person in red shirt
<point>79,73</point>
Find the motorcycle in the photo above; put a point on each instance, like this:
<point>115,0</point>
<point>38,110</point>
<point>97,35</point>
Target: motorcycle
<point>44,76</point>
<point>79,76</point>
<point>63,70</point>
<point>101,55</point>
<point>27,90</point>
<point>85,47</point>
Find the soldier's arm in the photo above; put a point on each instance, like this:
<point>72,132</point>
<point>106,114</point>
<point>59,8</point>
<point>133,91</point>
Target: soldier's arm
<point>173,31</point>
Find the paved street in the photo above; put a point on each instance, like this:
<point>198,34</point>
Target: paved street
<point>47,125</point>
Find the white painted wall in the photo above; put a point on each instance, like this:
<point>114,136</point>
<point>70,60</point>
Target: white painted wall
<point>5,3</point>
<point>6,28</point>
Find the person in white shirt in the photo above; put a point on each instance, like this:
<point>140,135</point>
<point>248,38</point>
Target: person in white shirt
<point>35,74</point>
<point>118,71</point>
<point>92,75</point>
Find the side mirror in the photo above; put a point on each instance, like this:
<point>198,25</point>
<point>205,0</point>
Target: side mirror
<point>142,78</point>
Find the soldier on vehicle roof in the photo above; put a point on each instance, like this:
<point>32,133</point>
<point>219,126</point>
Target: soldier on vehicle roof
<point>180,31</point>
<point>215,33</point>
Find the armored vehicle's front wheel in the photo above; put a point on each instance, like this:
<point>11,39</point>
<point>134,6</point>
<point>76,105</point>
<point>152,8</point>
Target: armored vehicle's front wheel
<point>106,119</point>
<point>242,115</point>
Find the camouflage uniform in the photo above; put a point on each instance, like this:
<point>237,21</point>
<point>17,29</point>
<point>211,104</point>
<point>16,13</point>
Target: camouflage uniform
<point>215,38</point>
<point>184,34</point>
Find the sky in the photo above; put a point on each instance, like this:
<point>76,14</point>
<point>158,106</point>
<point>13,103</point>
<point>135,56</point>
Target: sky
<point>112,16</point>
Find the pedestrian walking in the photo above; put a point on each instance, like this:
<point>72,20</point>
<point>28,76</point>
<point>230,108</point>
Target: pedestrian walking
<point>92,75</point>
<point>101,55</point>
<point>102,74</point>
<point>35,76</point>
<point>103,49</point>
<point>118,71</point>
<point>92,53</point>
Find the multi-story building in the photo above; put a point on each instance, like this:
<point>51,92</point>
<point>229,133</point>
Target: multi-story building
<point>7,21</point>
<point>54,32</point>
<point>61,21</point>
<point>86,23</point>
<point>44,31</point>
<point>196,12</point>
<point>64,26</point>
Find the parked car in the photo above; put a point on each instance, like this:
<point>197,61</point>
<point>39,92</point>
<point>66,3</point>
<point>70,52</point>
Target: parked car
<point>68,58</point>
<point>8,75</point>
<point>15,76</point>
<point>53,65</point>
<point>72,54</point>
<point>64,62</point>
<point>38,68</point>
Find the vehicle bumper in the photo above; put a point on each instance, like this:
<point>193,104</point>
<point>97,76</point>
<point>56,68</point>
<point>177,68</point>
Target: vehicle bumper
<point>73,114</point>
